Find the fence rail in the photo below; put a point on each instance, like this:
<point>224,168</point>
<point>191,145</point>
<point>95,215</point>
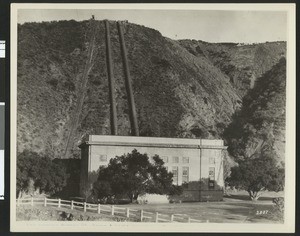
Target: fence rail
<point>141,215</point>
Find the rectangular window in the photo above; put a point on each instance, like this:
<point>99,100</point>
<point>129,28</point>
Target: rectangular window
<point>103,158</point>
<point>175,159</point>
<point>175,174</point>
<point>185,174</point>
<point>165,159</point>
<point>185,160</point>
<point>211,173</point>
<point>211,160</point>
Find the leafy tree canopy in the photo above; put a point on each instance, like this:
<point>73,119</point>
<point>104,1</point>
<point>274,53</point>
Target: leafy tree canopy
<point>41,171</point>
<point>133,174</point>
<point>72,167</point>
<point>257,174</point>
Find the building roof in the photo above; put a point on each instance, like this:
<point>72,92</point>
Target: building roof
<point>138,141</point>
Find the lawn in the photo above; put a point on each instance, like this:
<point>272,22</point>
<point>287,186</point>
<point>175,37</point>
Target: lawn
<point>216,212</point>
<point>233,209</point>
<point>236,208</point>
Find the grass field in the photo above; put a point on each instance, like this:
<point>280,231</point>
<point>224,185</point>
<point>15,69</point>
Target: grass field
<point>236,208</point>
<point>217,212</point>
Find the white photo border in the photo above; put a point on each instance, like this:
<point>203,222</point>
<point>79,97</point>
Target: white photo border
<point>84,226</point>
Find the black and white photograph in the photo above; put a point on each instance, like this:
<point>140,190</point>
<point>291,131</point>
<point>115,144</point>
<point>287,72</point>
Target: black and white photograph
<point>153,117</point>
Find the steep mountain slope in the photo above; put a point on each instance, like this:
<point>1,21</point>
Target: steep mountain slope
<point>243,64</point>
<point>63,90</point>
<point>260,125</point>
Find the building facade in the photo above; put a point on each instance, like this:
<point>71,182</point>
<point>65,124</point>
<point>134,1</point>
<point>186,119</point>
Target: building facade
<point>188,159</point>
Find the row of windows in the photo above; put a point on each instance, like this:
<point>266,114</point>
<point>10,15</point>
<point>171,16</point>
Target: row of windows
<point>185,160</point>
<point>103,158</point>
<point>175,159</point>
<point>185,174</point>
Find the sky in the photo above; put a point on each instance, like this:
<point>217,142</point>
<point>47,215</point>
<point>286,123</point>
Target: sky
<point>207,25</point>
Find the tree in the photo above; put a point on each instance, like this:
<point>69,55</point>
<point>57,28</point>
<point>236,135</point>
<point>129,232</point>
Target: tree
<point>72,167</point>
<point>257,174</point>
<point>40,173</point>
<point>102,190</point>
<point>88,188</point>
<point>133,174</point>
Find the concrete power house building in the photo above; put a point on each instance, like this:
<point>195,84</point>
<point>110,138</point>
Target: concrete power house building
<point>188,159</point>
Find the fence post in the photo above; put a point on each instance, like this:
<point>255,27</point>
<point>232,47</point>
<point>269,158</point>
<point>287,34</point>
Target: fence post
<point>142,215</point>
<point>45,201</point>
<point>207,221</point>
<point>156,217</point>
<point>189,220</point>
<point>172,218</point>
<point>31,201</point>
<point>98,208</point>
<point>59,203</point>
<point>112,210</point>
<point>127,212</point>
<point>72,205</point>
<point>84,206</point>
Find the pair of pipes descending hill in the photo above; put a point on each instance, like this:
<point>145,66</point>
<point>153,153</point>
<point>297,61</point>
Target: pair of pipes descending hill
<point>91,55</point>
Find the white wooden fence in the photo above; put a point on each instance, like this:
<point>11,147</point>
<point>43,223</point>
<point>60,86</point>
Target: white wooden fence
<point>113,210</point>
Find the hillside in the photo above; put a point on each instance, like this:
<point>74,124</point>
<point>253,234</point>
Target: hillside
<point>260,124</point>
<point>243,64</point>
<point>63,89</point>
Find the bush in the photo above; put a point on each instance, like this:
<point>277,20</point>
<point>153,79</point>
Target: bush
<point>279,203</point>
<point>201,185</point>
